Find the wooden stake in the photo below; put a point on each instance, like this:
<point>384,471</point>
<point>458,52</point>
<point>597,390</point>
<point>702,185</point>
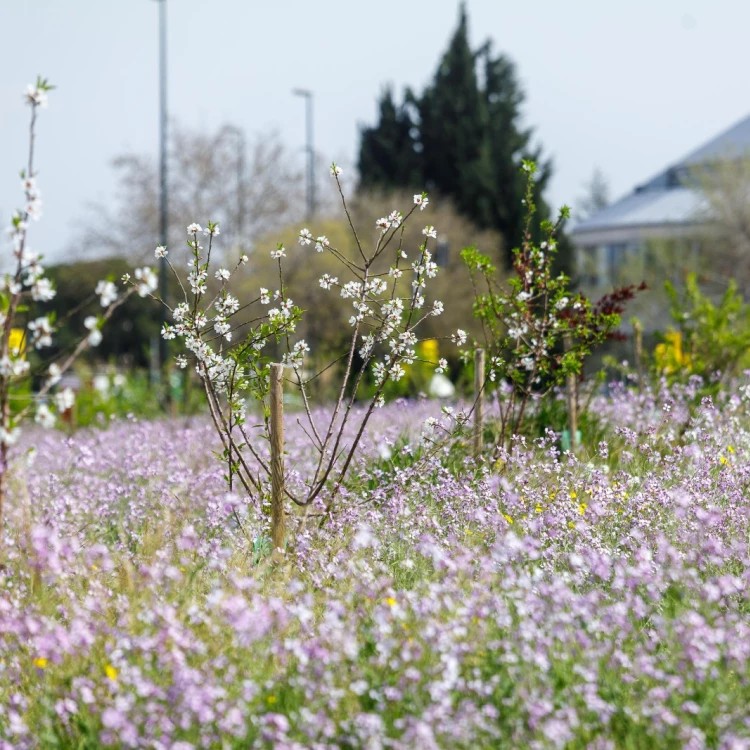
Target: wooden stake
<point>478,402</point>
<point>638,341</point>
<point>572,400</point>
<point>277,456</point>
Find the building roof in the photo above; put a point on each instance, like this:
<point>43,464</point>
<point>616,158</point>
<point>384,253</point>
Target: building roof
<point>644,207</point>
<point>665,201</point>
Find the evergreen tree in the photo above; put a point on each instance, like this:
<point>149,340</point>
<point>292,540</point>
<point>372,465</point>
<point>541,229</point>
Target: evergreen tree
<point>461,138</point>
<point>453,129</point>
<point>389,156</point>
<point>509,145</point>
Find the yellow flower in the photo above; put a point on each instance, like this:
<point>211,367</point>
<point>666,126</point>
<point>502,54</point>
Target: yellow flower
<point>507,518</point>
<point>390,601</point>
<point>582,508</point>
<point>571,525</point>
<point>552,495</point>
<point>468,531</point>
<point>538,508</point>
<point>111,672</point>
<point>40,662</point>
<point>94,567</point>
<point>723,460</point>
<point>573,495</point>
<point>271,699</point>
<point>730,449</point>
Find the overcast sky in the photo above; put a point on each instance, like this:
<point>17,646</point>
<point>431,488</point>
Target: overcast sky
<point>624,86</point>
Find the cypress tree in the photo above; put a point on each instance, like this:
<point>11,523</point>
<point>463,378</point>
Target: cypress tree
<point>461,138</point>
<point>389,154</point>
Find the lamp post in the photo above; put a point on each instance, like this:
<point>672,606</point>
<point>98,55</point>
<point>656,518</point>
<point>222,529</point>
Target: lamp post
<point>163,215</point>
<point>308,97</point>
<point>240,209</point>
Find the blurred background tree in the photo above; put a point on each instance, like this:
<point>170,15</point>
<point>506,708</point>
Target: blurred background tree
<point>595,197</point>
<point>724,221</point>
<point>251,186</point>
<point>461,138</point>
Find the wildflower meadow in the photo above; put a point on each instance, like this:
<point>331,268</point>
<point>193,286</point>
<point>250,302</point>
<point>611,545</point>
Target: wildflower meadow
<point>294,567</point>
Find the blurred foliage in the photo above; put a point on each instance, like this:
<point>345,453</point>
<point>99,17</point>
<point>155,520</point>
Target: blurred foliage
<point>107,395</point>
<point>250,184</point>
<point>128,335</point>
<point>711,339</point>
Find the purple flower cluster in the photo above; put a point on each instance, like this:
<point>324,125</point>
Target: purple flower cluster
<point>543,601</point>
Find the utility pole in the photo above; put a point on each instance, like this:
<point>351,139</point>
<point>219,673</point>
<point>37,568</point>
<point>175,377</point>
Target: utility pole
<point>239,228</point>
<point>163,205</point>
<point>240,190</point>
<point>308,96</point>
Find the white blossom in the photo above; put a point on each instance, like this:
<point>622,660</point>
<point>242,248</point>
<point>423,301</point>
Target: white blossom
<point>395,218</point>
<point>54,374</point>
<point>148,281</point>
<point>44,416</point>
<point>181,312</point>
<point>9,437</point>
<point>327,281</point>
<point>42,291</point>
<point>65,400</point>
<point>294,359</point>
<point>421,201</point>
<point>383,224</point>
<point>41,332</point>
<point>107,292</point>
<point>36,96</point>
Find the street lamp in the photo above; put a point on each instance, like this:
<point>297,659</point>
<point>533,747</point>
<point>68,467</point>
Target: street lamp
<point>308,96</point>
<point>163,216</point>
<point>240,218</point>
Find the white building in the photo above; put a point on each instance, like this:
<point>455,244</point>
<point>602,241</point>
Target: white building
<point>665,211</point>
